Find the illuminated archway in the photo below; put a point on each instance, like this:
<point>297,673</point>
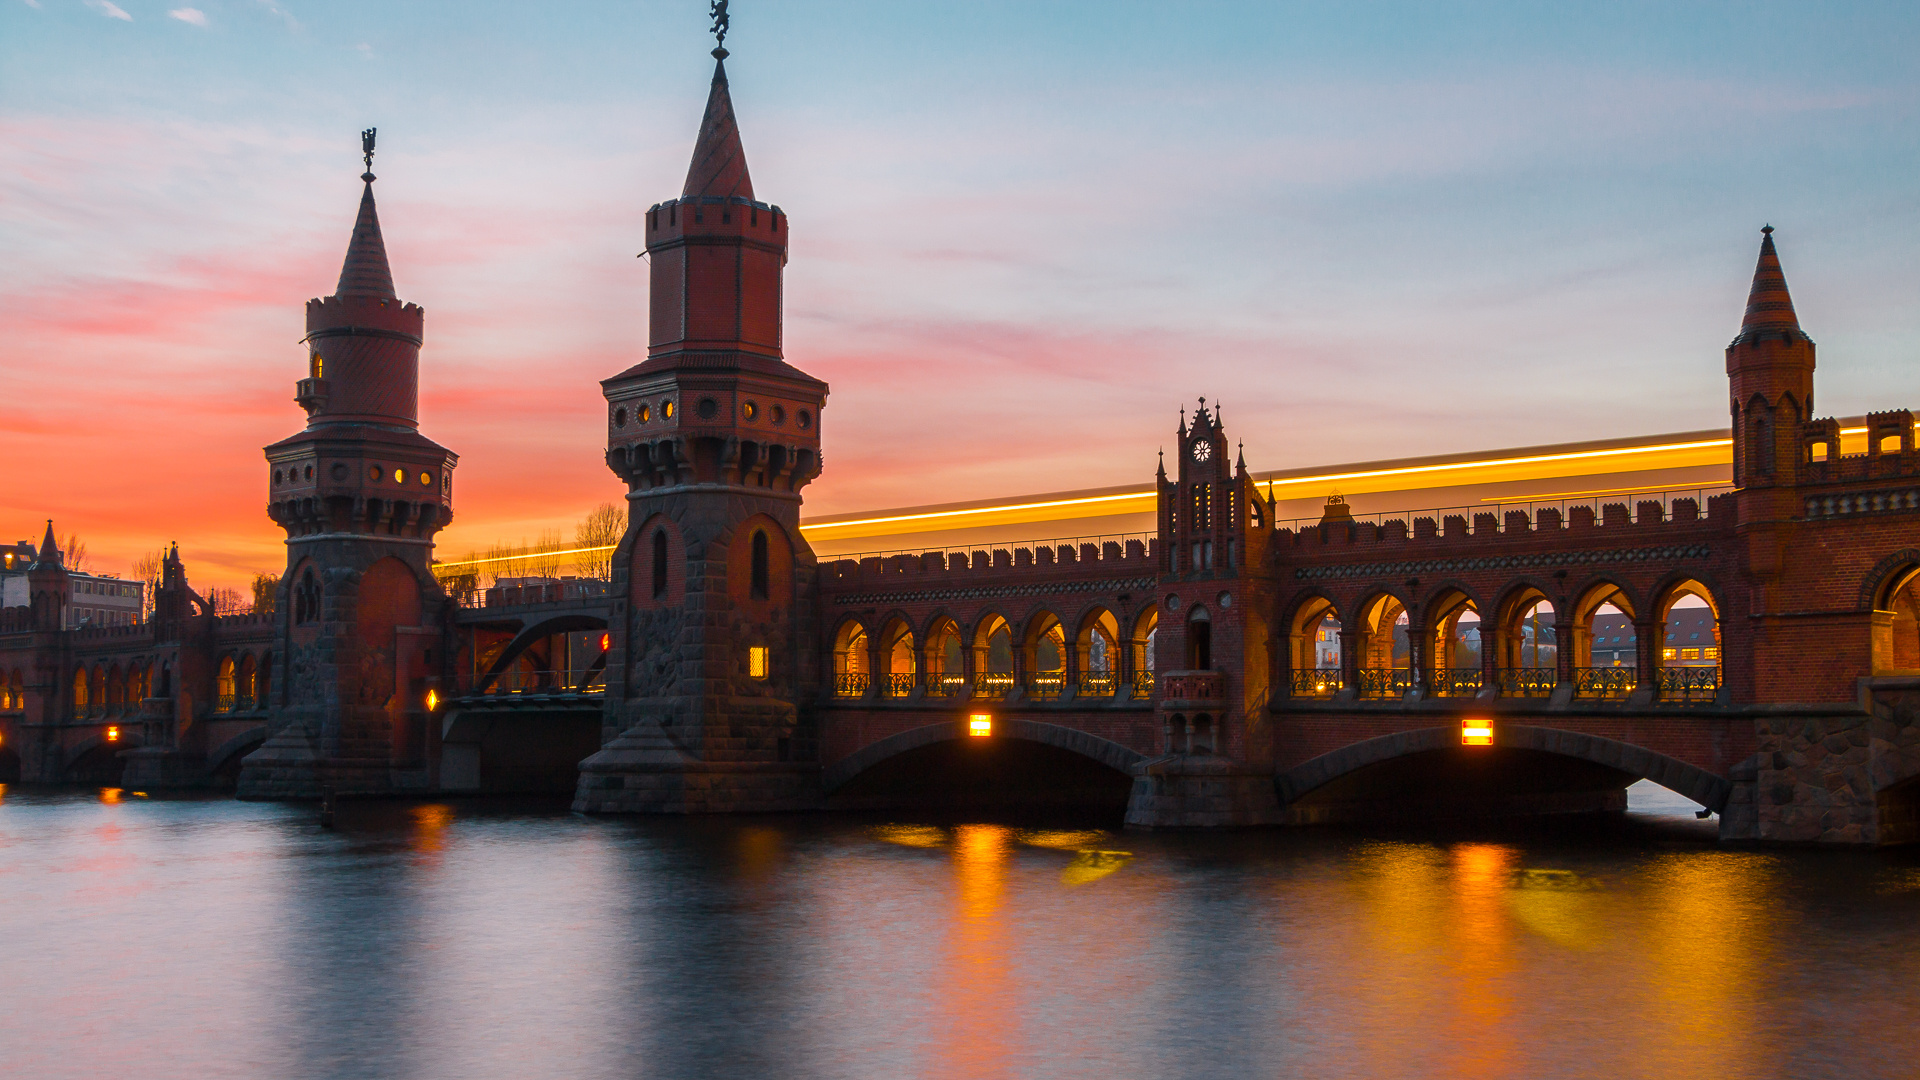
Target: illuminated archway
<point>1385,645</point>
<point>1605,642</point>
<point>1140,650</point>
<point>851,674</point>
<point>1045,653</point>
<point>1313,649</point>
<point>946,664</point>
<point>897,654</point>
<point>992,657</point>
<point>1097,654</point>
<point>1526,648</point>
<point>223,686</point>
<point>1689,660</point>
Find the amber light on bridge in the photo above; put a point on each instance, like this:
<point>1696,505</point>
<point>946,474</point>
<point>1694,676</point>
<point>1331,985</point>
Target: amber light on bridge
<point>433,700</point>
<point>980,725</point>
<point>606,642</point>
<point>113,734</point>
<point>1476,733</point>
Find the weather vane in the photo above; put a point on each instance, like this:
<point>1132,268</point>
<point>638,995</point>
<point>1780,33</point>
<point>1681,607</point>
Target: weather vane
<point>366,151</point>
<point>718,9</point>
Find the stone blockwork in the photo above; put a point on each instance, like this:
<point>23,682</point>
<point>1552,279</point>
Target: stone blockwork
<point>1834,777</point>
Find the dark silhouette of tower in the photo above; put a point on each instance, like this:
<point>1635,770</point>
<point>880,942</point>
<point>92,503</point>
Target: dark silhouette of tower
<point>715,435</point>
<point>360,493</point>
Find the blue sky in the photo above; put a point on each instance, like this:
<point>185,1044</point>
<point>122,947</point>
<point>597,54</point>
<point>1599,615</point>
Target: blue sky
<point>1024,234</point>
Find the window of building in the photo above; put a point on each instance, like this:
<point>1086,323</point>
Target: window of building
<point>1666,654</point>
<point>1711,652</point>
<point>659,563</point>
<point>759,583</point>
<point>757,662</point>
<point>1689,654</point>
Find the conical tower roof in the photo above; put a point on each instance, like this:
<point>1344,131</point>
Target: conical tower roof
<point>1769,307</point>
<point>365,273</point>
<point>49,553</point>
<point>719,162</point>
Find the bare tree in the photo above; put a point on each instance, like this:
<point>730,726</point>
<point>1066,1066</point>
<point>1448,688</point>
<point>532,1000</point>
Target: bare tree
<point>148,569</point>
<point>264,588</point>
<point>601,528</point>
<point>73,554</point>
<point>544,559</point>
<point>225,600</point>
<point>503,561</point>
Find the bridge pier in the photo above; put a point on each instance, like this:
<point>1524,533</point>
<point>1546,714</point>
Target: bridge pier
<point>644,771</point>
<point>1201,791</point>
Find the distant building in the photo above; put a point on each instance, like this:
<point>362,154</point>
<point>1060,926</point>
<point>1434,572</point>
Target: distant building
<point>97,599</point>
<point>1691,639</point>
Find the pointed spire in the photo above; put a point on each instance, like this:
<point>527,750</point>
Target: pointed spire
<point>719,162</point>
<point>49,553</point>
<point>365,272</point>
<point>1769,308</point>
<point>1163,465</point>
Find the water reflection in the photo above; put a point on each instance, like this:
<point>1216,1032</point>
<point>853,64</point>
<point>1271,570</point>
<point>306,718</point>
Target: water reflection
<point>457,939</point>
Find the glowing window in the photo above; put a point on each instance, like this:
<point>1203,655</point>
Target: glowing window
<point>750,410</point>
<point>1689,654</point>
<point>426,479</point>
<point>399,476</point>
<point>666,409</point>
<point>375,472</point>
<point>643,414</point>
<point>757,662</point>
<point>1712,652</point>
<point>1667,654</point>
<point>315,366</point>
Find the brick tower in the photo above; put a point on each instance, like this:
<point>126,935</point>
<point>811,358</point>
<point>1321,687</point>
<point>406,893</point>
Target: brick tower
<point>712,650</point>
<point>1211,686</point>
<point>360,493</point>
<point>1770,376</point>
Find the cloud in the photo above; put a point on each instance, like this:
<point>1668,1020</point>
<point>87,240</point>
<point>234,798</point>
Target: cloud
<point>110,9</point>
<point>189,15</point>
<point>273,7</point>
<point>366,50</point>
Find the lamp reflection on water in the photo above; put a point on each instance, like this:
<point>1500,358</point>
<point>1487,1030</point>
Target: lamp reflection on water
<point>978,1039</point>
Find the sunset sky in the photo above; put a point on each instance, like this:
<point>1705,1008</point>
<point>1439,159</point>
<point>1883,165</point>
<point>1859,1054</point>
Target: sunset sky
<point>1023,233</point>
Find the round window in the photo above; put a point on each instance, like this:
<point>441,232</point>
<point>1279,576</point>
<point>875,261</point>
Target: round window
<point>339,471</point>
<point>620,417</point>
<point>399,476</point>
<point>666,409</point>
<point>803,419</point>
<point>643,414</point>
<point>709,408</point>
<point>1173,602</point>
<point>309,472</point>
<point>750,410</point>
<point>426,479</point>
<point>1202,450</point>
<point>276,477</point>
<point>374,472</point>
<point>779,415</point>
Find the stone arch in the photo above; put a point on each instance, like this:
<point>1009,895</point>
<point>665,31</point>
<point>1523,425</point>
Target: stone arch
<point>1588,599</point>
<point>1043,653</point>
<point>225,690</point>
<point>1450,668</point>
<point>1108,753</point>
<point>1891,592</point>
<point>1097,652</point>
<point>116,688</point>
<point>1515,633</point>
<point>898,655</point>
<point>239,746</point>
<point>993,654</point>
<point>852,659</point>
<point>1695,783</point>
<point>1141,641</point>
<point>1375,620</point>
<point>1303,620</point>
<point>945,652</point>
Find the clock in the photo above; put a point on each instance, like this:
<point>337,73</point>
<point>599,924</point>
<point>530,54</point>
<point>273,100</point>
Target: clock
<point>1202,450</point>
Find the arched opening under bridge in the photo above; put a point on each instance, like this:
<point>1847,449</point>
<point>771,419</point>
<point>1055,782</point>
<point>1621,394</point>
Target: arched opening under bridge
<point>1428,774</point>
<point>1023,764</point>
<point>1097,654</point>
<point>1896,628</point>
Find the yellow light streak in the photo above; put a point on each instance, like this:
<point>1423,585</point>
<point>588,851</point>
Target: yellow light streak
<point>1599,491</point>
<point>1532,459</point>
<point>528,555</point>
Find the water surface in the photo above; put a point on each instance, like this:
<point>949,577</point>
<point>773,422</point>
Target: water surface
<point>209,938</point>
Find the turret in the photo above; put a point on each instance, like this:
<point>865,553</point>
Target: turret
<point>1770,377</point>
<point>49,586</point>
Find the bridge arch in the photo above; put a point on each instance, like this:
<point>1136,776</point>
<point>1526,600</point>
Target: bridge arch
<point>1515,630</point>
<point>1377,616</point>
<point>225,758</point>
<point>1096,651</point>
<point>945,655</point>
<point>1892,588</point>
<point>522,640</point>
<point>852,660</point>
<point>898,653</point>
<point>1102,751</point>
<point>1703,787</point>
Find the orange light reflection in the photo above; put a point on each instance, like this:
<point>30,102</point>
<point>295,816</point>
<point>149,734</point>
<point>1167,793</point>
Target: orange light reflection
<point>980,1033</point>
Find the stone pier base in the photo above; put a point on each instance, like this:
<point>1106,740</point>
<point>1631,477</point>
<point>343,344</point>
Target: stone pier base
<point>153,768</point>
<point>642,771</point>
<point>1185,791</point>
<point>289,767</point>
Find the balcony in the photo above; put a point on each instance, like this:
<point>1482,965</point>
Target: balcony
<point>899,684</point>
<point>1458,682</point>
<point>1689,685</point>
<point>1098,683</point>
<point>1385,682</point>
<point>1533,682</point>
<point>1193,686</point>
<point>1605,683</point>
<point>851,684</point>
<point>575,681</point>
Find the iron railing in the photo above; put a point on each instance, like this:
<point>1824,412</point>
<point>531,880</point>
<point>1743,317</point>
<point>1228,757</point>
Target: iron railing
<point>1385,682</point>
<point>1143,684</point>
<point>1528,682</point>
<point>1605,682</point>
<point>899,684</point>
<point>1692,684</point>
<point>851,684</point>
<point>993,684</point>
<point>940,684</point>
<point>1098,683</point>
<point>1458,682</point>
<point>1046,685</point>
<point>574,681</point>
<point>223,702</point>
<point>1317,682</point>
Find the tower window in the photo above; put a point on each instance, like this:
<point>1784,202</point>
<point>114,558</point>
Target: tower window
<point>666,409</point>
<point>757,662</point>
<point>315,366</point>
<point>759,585</point>
<point>659,564</point>
<point>1202,497</point>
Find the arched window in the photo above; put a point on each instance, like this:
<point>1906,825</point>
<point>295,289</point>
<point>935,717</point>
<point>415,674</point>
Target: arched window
<point>759,586</point>
<point>262,680</point>
<point>243,684</point>
<point>80,693</point>
<point>306,599</point>
<point>1199,640</point>
<point>223,685</point>
<point>659,563</point>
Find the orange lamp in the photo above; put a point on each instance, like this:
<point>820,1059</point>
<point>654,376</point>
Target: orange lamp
<point>980,725</point>
<point>1476,731</point>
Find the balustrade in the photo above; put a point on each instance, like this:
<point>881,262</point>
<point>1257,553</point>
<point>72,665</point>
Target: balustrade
<point>1458,682</point>
<point>1528,682</point>
<point>1193,686</point>
<point>223,703</point>
<point>851,684</point>
<point>1317,682</point>
<point>1143,684</point>
<point>1689,684</point>
<point>1046,685</point>
<point>1604,682</point>
<point>993,684</point>
<point>900,684</point>
<point>1385,682</point>
<point>1098,683</point>
<point>575,681</point>
<point>940,684</point>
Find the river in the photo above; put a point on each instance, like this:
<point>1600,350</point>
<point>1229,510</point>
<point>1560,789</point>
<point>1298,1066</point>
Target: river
<point>158,938</point>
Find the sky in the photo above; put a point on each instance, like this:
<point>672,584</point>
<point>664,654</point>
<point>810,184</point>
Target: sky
<point>1023,234</point>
